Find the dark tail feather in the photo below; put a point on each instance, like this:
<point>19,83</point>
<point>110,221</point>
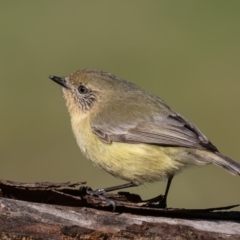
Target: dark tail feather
<point>230,165</point>
<point>222,161</point>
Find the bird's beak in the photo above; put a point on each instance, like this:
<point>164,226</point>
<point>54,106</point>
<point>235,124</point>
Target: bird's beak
<point>60,80</point>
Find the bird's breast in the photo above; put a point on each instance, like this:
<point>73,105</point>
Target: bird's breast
<point>136,163</point>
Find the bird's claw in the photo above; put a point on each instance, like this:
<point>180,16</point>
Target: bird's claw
<point>97,192</point>
<point>159,202</point>
<point>100,194</point>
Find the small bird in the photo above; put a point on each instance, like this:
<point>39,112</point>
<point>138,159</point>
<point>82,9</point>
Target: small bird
<point>132,134</point>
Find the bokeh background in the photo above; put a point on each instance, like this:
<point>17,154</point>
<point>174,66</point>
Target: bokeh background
<point>186,52</point>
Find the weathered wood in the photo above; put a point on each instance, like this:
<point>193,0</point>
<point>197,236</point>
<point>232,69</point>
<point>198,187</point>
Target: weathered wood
<point>90,217</point>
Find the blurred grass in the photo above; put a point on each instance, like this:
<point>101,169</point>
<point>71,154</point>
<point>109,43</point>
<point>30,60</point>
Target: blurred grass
<point>186,52</point>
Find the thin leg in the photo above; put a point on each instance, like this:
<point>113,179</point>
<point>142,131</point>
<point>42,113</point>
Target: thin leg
<point>110,189</point>
<point>163,202</point>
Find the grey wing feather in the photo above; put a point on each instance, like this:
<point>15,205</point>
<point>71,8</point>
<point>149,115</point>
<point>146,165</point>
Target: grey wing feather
<point>166,130</point>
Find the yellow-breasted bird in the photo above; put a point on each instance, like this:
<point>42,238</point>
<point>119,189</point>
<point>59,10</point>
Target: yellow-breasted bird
<point>131,133</point>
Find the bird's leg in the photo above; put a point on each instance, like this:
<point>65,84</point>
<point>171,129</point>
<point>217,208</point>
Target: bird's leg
<point>163,202</point>
<point>101,191</point>
<point>162,199</point>
<point>114,188</point>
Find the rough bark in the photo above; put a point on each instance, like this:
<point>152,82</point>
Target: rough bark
<point>61,211</point>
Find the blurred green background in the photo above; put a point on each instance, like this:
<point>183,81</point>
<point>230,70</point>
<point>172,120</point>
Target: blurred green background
<point>186,52</point>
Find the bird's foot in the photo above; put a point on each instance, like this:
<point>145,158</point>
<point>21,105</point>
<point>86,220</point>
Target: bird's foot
<point>162,203</point>
<point>100,194</point>
<point>159,202</point>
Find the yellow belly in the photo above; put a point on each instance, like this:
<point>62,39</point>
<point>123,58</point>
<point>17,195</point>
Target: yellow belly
<point>136,163</point>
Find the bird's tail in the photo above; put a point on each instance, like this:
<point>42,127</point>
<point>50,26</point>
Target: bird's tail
<point>220,160</point>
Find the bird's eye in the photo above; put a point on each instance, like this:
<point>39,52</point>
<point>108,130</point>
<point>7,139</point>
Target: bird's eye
<point>82,89</point>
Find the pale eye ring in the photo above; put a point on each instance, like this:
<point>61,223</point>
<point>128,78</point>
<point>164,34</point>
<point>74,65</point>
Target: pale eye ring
<point>82,89</point>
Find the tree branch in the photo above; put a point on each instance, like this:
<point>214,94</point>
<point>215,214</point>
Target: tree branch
<point>54,211</point>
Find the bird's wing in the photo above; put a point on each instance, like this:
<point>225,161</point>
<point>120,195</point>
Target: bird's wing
<point>168,129</point>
